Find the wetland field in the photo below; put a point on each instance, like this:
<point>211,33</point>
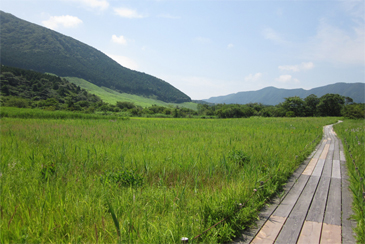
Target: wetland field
<point>144,180</point>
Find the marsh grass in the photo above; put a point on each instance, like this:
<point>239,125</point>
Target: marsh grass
<point>51,170</point>
<point>27,113</point>
<point>352,133</point>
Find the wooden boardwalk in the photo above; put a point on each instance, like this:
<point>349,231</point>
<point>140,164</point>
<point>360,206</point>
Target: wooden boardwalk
<point>316,205</point>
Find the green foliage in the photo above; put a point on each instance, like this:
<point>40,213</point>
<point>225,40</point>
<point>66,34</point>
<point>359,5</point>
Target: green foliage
<point>26,88</point>
<point>27,113</point>
<point>29,46</point>
<point>310,105</point>
<point>239,157</point>
<point>17,102</point>
<point>330,105</point>
<point>125,105</point>
<point>295,105</point>
<point>187,187</point>
<point>352,134</point>
<point>112,97</point>
<point>354,111</point>
<point>290,114</point>
<point>48,171</point>
<point>127,178</point>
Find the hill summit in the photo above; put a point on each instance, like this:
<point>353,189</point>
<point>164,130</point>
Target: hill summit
<point>30,46</point>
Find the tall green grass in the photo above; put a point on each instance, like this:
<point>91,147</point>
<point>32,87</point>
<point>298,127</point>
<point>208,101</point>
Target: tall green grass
<point>27,113</point>
<point>146,180</point>
<point>352,133</point>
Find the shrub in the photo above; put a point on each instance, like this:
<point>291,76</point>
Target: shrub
<point>239,157</point>
<point>123,178</point>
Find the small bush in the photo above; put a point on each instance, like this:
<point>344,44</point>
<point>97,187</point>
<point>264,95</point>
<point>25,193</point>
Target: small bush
<point>123,178</point>
<point>48,170</point>
<point>239,157</point>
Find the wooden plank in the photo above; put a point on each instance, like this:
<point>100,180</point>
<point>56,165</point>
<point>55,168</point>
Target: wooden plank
<point>318,206</point>
<point>331,234</point>
<point>333,209</point>
<point>309,169</point>
<point>270,230</point>
<point>327,168</point>
<point>291,198</point>
<point>249,234</point>
<point>320,149</point>
<point>324,152</point>
<point>332,147</point>
<point>336,154</point>
<point>336,169</point>
<point>311,233</point>
<point>342,156</point>
<point>293,225</point>
<point>347,223</point>
<point>319,167</point>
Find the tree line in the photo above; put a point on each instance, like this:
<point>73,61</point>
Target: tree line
<point>30,89</point>
<point>327,105</point>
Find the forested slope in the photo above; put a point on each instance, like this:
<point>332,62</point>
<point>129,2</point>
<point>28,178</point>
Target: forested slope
<point>29,46</point>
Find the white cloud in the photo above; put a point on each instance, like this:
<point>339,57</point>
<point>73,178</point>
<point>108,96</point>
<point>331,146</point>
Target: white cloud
<point>119,40</point>
<point>298,67</point>
<point>124,61</point>
<point>272,35</point>
<point>333,44</point>
<point>253,78</point>
<point>230,45</point>
<point>95,4</point>
<point>287,79</point>
<point>128,13</point>
<point>66,21</point>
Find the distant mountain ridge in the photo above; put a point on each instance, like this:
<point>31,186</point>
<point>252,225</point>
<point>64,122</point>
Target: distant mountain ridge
<point>30,46</point>
<point>274,96</point>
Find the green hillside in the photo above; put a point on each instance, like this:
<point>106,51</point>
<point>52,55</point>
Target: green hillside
<point>111,96</point>
<point>24,88</point>
<point>29,46</point>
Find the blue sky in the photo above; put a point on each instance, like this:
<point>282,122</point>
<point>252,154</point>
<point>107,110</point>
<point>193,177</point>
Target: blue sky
<point>210,48</point>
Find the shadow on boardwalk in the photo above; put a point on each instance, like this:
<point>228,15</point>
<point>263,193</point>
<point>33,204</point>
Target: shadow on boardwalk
<point>316,205</point>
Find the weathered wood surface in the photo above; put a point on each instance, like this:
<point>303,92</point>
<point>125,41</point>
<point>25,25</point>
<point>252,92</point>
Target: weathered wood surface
<point>293,225</point>
<point>270,230</point>
<point>311,233</point>
<point>316,206</point>
<point>291,198</point>
<point>331,234</point>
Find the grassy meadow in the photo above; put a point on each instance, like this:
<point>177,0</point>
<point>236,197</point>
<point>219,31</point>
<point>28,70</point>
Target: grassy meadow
<point>144,180</point>
<point>352,134</point>
<point>112,97</point>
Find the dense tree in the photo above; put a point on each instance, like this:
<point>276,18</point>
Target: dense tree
<point>294,105</point>
<point>330,105</point>
<point>354,111</point>
<point>310,105</point>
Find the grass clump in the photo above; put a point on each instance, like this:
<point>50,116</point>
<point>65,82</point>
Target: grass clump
<point>127,178</point>
<point>239,157</point>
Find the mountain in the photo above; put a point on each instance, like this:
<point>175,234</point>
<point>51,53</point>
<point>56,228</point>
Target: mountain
<point>273,96</point>
<point>30,46</point>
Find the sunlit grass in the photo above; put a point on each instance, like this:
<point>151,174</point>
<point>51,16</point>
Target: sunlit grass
<point>53,175</point>
<point>352,133</point>
<point>112,97</point>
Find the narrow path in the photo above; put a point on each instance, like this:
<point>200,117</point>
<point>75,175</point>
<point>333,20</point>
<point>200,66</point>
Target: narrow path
<point>316,205</point>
